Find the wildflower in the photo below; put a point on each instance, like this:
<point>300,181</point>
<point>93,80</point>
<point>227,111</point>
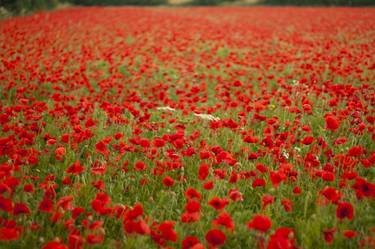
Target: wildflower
<point>345,210</point>
<point>203,171</point>
<point>218,203</point>
<point>332,123</point>
<point>260,223</point>
<point>215,237</point>
<point>9,233</point>
<point>168,181</point>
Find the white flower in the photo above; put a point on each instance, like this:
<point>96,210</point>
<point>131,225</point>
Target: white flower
<point>166,108</point>
<point>285,154</point>
<point>207,117</point>
<point>295,82</point>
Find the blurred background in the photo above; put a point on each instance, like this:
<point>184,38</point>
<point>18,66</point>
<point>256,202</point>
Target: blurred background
<point>14,7</point>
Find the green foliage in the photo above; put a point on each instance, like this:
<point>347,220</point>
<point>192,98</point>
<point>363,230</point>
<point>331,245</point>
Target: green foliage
<point>209,2</point>
<point>321,2</point>
<point>24,6</point>
<point>119,2</point>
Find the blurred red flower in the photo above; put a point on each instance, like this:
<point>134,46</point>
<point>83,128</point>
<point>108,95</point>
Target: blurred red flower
<point>215,237</point>
<point>260,223</point>
<point>332,123</point>
<point>344,210</point>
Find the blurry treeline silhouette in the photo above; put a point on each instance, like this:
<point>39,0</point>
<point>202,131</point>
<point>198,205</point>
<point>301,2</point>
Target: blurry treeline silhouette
<point>24,6</point>
<point>321,2</point>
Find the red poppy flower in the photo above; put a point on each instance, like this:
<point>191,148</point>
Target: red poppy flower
<point>77,211</point>
<point>215,237</point>
<point>329,235</point>
<point>235,195</point>
<point>60,153</point>
<point>192,206</point>
<point>252,156</point>
<point>168,181</point>
<point>54,245</point>
<point>364,188</point>
<point>328,176</point>
<point>260,223</point>
<point>100,203</point>
<point>135,212</point>
<point>65,138</point>
<point>46,205</point>
<point>21,208</point>
<point>332,123</point>
<point>101,148</point>
<point>6,204</point>
<point>208,185</point>
<point>340,140</point>
<point>331,194</point>
<point>218,203</point>
<point>93,239</point>
<point>287,204</point>
<point>189,242</point>
<point>118,135</point>
<point>356,151</point>
<point>140,166</point>
<point>350,234</point>
<point>9,233</point>
<point>267,200</point>
<point>204,155</point>
<point>283,238</point>
<point>75,169</point>
<point>167,231</point>
<point>297,190</point>
<point>224,219</point>
<point>203,171</point>
<point>261,168</point>
<point>344,210</point>
<point>75,239</point>
<point>259,182</point>
<point>158,142</point>
<point>308,140</point>
<point>276,177</point>
<point>191,193</point>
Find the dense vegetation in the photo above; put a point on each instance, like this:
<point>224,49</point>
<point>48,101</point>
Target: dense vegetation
<point>118,2</point>
<point>188,128</point>
<point>28,5</point>
<point>321,2</point>
<point>22,6</point>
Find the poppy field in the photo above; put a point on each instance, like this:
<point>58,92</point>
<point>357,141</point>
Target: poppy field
<point>188,128</point>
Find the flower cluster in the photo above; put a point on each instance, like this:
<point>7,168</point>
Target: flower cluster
<point>188,128</point>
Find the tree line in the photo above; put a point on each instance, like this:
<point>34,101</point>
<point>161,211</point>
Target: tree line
<point>321,2</point>
<point>17,6</point>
